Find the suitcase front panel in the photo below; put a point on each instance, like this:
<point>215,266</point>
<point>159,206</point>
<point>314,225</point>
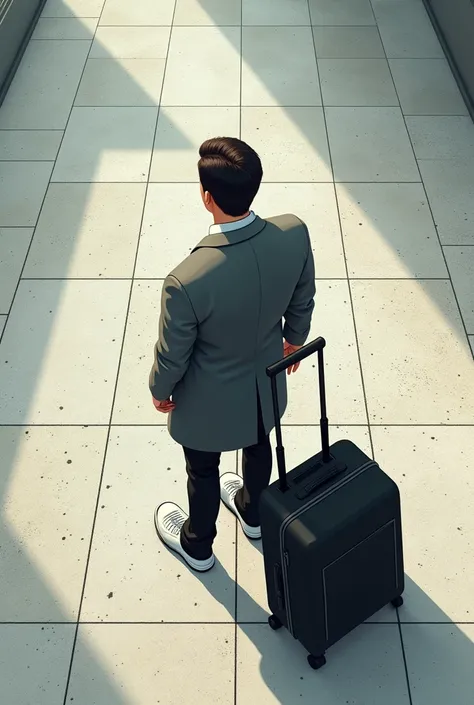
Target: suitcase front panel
<point>360,582</point>
<point>339,581</point>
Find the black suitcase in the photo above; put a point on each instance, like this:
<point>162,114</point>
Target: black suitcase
<point>331,535</point>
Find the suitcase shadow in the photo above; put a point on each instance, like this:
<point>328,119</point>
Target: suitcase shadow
<point>391,662</point>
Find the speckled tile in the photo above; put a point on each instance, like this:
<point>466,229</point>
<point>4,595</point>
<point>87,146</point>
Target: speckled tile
<point>44,562</point>
<point>471,341</point>
<point>130,43</point>
<point>415,358</point>
<point>44,86</point>
<point>460,262</point>
<point>332,319</point>
<point>22,189</point>
<point>3,320</point>
<point>342,12</point>
<point>275,12</point>
<point>441,136</point>
<point>87,230</point>
<point>433,469</point>
<point>348,42</point>
<point>316,205</point>
<point>128,82</point>
<point>271,76</point>
<point>73,8</point>
<point>211,12</point>
<point>357,82</point>
<point>107,144</point>
<point>389,231</point>
<point>180,133</point>
<point>174,222</point>
<point>300,444</point>
<point>370,144</point>
<point>427,87</point>
<point>203,67</point>
<point>105,663</point>
<point>272,668</point>
<point>439,662</point>
<point>29,145</point>
<point>75,329</point>
<point>291,142</point>
<point>65,28</point>
<point>132,576</point>
<point>133,403</point>
<point>14,243</point>
<point>34,662</point>
<point>145,12</point>
<point>449,184</point>
<point>406,30</point>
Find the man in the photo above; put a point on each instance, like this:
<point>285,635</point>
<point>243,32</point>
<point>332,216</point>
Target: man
<point>220,327</point>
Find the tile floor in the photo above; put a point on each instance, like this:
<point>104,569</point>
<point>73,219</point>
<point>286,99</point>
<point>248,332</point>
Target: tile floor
<point>363,133</point>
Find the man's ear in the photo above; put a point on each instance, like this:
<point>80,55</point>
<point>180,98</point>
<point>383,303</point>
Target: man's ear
<point>208,201</point>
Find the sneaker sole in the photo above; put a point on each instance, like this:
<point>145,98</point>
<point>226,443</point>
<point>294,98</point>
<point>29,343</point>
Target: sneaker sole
<point>187,559</point>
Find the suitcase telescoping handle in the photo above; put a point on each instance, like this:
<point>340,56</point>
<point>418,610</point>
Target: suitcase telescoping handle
<point>273,371</point>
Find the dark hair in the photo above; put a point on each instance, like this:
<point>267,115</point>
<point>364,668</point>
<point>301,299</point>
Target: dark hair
<point>231,171</point>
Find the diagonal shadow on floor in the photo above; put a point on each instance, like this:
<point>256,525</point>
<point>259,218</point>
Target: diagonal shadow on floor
<point>33,584</point>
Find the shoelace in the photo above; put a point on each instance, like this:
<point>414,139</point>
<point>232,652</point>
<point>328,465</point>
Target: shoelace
<point>232,487</point>
<point>173,522</point>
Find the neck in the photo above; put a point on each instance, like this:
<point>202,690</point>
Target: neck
<point>221,218</point>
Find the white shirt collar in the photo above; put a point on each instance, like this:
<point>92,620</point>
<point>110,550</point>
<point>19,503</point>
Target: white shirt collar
<point>234,225</point>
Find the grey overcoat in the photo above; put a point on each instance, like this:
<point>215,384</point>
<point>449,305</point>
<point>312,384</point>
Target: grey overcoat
<point>224,312</point>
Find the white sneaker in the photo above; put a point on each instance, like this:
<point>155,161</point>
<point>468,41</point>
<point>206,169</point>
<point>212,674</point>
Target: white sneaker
<point>169,520</point>
<point>231,483</point>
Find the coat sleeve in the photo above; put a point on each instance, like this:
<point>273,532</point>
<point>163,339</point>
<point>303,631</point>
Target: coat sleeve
<point>300,309</point>
<point>177,335</point>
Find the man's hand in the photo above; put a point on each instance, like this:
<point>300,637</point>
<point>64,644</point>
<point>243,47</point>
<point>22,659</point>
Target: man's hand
<point>164,407</point>
<point>287,350</point>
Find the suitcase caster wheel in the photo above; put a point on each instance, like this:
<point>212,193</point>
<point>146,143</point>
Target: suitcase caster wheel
<point>398,601</point>
<point>316,662</point>
<point>274,623</point>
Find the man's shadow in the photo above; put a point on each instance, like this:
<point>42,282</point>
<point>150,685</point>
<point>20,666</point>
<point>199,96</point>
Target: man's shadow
<point>387,662</point>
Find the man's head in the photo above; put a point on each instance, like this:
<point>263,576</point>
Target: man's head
<point>230,173</point>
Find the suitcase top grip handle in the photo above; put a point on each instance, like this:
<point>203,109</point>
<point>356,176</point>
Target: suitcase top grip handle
<point>321,479</point>
<point>294,358</point>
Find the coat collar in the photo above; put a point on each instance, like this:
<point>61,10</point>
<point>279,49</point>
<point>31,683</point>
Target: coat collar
<point>232,237</point>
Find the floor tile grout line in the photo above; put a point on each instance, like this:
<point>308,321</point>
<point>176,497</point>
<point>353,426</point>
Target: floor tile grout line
<point>405,663</point>
<point>30,129</point>
<point>177,183</point>
<point>229,623</point>
<point>333,424</point>
<point>7,315</point>
<point>367,415</point>
<point>116,379</point>
<point>73,647</point>
<point>162,278</point>
<point>236,26</point>
<point>285,106</point>
<point>154,106</point>
<point>295,183</point>
<point>44,197</point>
<point>31,161</point>
<point>425,192</point>
<point>115,387</point>
<point>214,26</point>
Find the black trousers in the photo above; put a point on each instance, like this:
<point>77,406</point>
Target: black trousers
<point>199,531</point>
